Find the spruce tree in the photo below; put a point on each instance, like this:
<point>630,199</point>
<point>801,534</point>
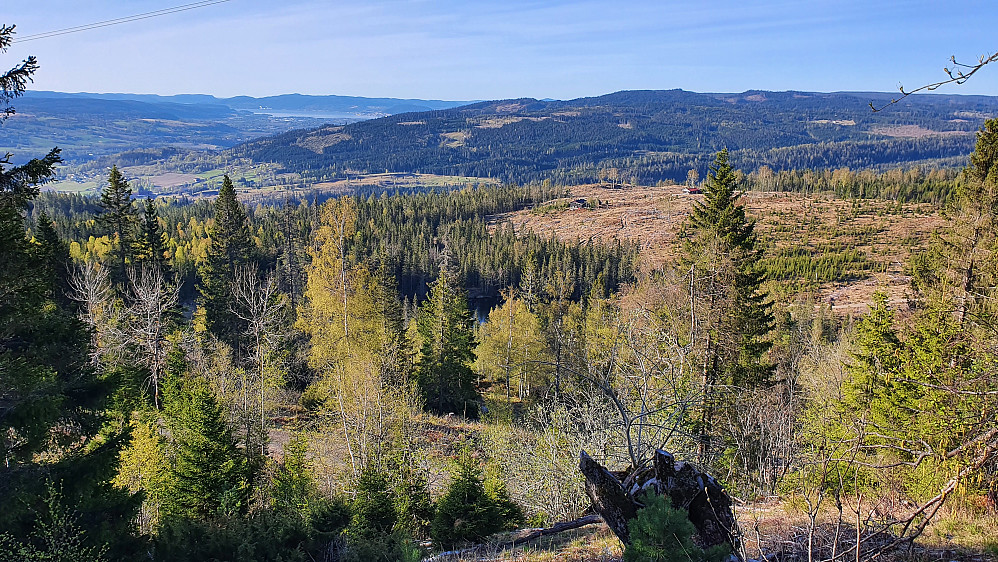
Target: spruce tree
<point>970,248</point>
<point>468,511</point>
<point>443,368</point>
<point>374,505</point>
<point>53,416</point>
<point>117,217</point>
<point>294,491</point>
<point>661,533</point>
<point>53,255</point>
<point>209,476</point>
<point>726,238</point>
<point>150,245</point>
<point>230,246</point>
<point>719,213</point>
<point>732,314</point>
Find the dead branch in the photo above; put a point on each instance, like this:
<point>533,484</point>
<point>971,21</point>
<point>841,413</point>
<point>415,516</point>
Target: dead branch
<point>958,74</point>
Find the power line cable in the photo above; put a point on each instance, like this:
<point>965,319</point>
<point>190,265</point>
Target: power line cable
<point>106,23</point>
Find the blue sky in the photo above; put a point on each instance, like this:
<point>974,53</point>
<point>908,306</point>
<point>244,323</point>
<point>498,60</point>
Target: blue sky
<point>448,49</point>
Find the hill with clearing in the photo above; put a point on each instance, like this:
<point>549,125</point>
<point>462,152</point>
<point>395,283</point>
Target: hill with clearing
<point>639,136</point>
<point>839,250</point>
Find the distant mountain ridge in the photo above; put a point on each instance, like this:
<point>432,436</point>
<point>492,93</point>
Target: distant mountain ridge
<point>640,135</point>
<point>356,106</point>
<point>646,135</point>
<point>88,125</point>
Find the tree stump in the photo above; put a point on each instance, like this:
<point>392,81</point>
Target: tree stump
<point>689,489</point>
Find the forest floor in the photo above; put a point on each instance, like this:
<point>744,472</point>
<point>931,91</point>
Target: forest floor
<point>597,543</point>
<point>966,529</point>
<point>884,232</point>
<point>955,537</point>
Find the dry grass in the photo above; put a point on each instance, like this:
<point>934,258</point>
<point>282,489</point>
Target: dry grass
<point>595,543</point>
<point>768,528</point>
<point>958,533</point>
<point>652,217</point>
<point>965,530</point>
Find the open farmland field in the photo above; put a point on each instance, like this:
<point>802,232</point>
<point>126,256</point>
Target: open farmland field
<point>841,250</point>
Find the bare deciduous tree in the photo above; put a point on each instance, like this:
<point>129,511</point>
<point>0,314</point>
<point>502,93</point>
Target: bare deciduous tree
<point>261,306</point>
<point>90,285</point>
<point>150,299</point>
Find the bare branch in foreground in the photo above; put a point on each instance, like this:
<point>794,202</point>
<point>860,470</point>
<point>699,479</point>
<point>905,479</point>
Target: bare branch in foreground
<point>958,74</point>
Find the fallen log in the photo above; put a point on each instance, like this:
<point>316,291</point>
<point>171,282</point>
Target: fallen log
<point>527,535</point>
<point>521,537</point>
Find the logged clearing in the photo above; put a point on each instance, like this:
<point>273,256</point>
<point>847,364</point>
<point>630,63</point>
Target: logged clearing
<point>883,231</point>
<point>915,132</point>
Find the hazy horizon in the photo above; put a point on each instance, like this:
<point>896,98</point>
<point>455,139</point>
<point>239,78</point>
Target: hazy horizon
<point>415,49</point>
<point>957,92</point>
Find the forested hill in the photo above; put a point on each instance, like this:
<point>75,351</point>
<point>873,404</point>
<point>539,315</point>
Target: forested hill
<point>645,135</point>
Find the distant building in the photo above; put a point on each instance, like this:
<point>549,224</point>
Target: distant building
<point>692,190</point>
<point>577,204</point>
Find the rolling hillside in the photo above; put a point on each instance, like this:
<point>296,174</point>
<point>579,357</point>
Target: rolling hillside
<point>647,135</point>
<point>88,126</point>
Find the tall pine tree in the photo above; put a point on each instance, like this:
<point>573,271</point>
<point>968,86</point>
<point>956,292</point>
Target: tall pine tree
<point>732,316</point>
<point>117,217</point>
<point>445,328</point>
<point>54,255</point>
<point>230,246</point>
<point>150,244</point>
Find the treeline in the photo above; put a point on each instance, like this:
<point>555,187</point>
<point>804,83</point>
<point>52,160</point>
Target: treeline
<point>405,233</point>
<point>907,185</point>
<point>945,153</point>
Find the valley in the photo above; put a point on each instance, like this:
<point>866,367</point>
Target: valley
<point>367,320</point>
<point>183,144</point>
<point>521,281</point>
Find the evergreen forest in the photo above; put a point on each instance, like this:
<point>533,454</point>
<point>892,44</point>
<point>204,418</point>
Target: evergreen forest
<point>406,376</point>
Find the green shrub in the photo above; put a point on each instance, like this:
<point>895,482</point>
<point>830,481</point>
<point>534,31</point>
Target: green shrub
<point>412,500</point>
<point>56,536</point>
<point>266,535</point>
<point>396,546</point>
<point>468,512</point>
<point>662,534</point>
<point>381,524</point>
<point>374,505</point>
